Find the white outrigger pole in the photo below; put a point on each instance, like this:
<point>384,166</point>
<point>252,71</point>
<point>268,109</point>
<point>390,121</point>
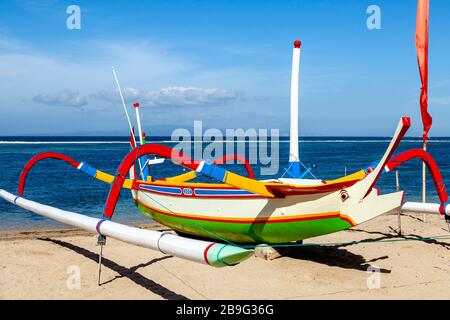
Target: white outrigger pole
<point>294,161</point>
<point>205,252</point>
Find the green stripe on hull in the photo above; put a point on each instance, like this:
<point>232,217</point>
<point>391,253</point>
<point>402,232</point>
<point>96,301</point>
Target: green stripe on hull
<point>280,232</point>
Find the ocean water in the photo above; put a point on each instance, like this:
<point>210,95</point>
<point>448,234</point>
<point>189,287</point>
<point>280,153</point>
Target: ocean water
<point>57,184</point>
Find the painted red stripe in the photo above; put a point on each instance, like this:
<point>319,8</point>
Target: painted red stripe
<point>251,221</point>
<point>189,186</point>
<point>237,196</point>
<point>205,253</point>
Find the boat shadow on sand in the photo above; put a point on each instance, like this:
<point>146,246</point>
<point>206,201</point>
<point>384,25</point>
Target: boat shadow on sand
<point>338,256</point>
<point>124,272</point>
<point>333,256</point>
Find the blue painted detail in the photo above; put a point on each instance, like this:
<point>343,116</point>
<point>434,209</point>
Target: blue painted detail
<point>220,192</point>
<point>145,170</point>
<point>444,207</point>
<point>97,227</point>
<point>294,170</point>
<point>213,171</point>
<point>88,169</point>
<point>161,189</point>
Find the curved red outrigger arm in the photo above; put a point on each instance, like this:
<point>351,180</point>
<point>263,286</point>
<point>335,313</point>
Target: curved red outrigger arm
<point>224,159</point>
<point>237,157</point>
<point>39,157</point>
<point>431,165</point>
<point>127,163</point>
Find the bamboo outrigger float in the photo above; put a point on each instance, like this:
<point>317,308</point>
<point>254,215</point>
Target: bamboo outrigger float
<point>236,209</point>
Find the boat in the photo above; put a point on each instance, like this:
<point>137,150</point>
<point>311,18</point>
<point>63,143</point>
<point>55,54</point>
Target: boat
<point>236,210</point>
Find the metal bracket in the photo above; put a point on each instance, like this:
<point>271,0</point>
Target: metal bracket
<point>101,241</point>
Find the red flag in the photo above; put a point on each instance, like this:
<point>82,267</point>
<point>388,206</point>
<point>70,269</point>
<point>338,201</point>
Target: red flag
<point>422,58</point>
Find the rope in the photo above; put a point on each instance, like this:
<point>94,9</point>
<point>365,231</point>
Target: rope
<point>306,169</point>
<point>287,170</point>
<point>337,244</point>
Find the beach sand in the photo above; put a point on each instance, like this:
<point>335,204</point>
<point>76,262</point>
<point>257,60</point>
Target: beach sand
<point>44,265</point>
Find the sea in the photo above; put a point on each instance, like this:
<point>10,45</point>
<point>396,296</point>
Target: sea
<point>55,183</point>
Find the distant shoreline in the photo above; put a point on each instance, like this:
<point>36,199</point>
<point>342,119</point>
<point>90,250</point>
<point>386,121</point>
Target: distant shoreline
<point>123,140</point>
<point>126,137</point>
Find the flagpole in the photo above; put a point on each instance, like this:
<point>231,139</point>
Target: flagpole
<point>424,183</point>
<point>422,29</point>
<point>424,176</point>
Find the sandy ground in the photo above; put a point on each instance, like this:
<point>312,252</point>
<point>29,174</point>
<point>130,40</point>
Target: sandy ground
<point>45,265</point>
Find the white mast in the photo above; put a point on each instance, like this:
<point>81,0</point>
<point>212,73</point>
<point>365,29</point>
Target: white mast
<point>142,162</point>
<point>294,162</point>
<point>138,119</point>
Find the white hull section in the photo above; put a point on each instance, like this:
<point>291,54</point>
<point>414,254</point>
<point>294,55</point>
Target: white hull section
<point>274,209</point>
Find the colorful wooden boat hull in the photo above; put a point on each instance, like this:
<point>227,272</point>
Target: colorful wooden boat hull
<point>239,215</point>
<point>261,220</point>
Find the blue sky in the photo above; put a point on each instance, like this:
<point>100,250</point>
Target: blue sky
<point>224,62</point>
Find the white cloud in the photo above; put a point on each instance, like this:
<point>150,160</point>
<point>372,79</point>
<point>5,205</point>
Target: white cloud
<point>169,79</point>
<point>174,96</point>
<point>85,66</point>
<point>64,98</point>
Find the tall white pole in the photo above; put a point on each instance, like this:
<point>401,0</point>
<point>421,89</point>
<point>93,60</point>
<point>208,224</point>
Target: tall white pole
<point>138,119</point>
<point>293,156</point>
<point>143,164</point>
<point>293,147</point>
